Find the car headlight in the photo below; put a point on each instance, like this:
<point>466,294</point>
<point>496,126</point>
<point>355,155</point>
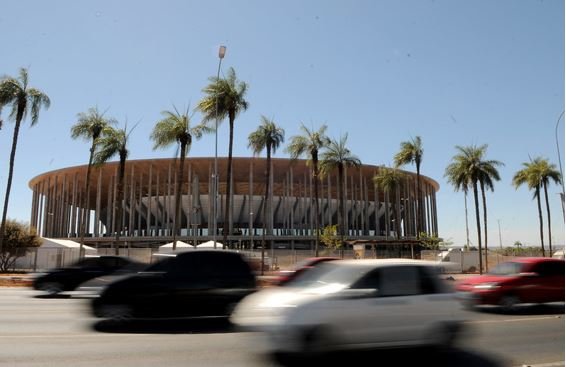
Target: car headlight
<point>491,285</point>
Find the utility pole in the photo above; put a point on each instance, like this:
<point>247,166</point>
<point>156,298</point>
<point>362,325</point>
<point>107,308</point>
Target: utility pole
<point>499,225</point>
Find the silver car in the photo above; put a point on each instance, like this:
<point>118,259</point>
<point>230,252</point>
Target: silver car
<point>356,304</point>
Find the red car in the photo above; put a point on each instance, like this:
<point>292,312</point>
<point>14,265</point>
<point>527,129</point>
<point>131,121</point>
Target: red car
<point>285,276</point>
<point>522,280</point>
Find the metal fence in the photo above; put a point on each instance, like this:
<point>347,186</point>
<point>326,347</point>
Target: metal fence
<point>42,259</point>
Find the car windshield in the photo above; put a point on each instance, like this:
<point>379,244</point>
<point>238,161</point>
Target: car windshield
<point>507,268</point>
<point>305,262</point>
<point>329,273</point>
<point>160,266</point>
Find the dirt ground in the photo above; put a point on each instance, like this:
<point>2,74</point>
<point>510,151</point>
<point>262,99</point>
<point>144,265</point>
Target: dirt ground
<point>14,280</point>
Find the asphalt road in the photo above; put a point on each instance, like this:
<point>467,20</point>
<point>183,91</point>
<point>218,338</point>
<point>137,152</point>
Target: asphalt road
<point>38,331</point>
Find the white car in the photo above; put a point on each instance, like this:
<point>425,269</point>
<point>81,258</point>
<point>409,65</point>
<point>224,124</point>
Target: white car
<point>355,304</point>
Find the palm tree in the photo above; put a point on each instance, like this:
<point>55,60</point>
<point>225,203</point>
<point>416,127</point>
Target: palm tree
<point>547,172</point>
<point>536,174</point>
<point>268,136</point>
<point>175,128</point>
<point>487,174</point>
<point>464,168</point>
<point>337,157</point>
<point>89,127</point>
<point>24,100</point>
<point>412,152</point>
<point>459,181</point>
<point>114,142</point>
<point>225,97</point>
<point>310,144</point>
<point>390,180</point>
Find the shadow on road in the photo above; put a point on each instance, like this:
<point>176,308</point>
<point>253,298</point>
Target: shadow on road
<point>168,326</point>
<point>52,296</point>
<point>398,357</point>
<point>527,309</point>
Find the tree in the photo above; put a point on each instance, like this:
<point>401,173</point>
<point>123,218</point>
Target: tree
<point>225,97</point>
<point>537,174</point>
<point>115,142</point>
<point>412,152</point>
<point>310,144</point>
<point>89,127</point>
<point>19,239</point>
<point>487,174</point>
<point>24,100</point>
<point>175,128</point>
<point>338,157</point>
<point>459,180</point>
<point>547,172</point>
<point>430,242</point>
<point>329,236</point>
<point>466,168</point>
<point>390,180</point>
<point>268,136</point>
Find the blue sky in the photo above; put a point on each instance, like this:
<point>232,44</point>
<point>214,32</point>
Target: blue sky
<point>455,72</point>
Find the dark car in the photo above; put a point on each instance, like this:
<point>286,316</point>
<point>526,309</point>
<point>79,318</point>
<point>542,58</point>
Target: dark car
<point>69,278</point>
<point>522,280</point>
<point>197,283</point>
<point>286,276</point>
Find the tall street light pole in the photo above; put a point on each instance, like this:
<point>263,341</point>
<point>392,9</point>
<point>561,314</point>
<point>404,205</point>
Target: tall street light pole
<point>560,162</point>
<point>221,53</point>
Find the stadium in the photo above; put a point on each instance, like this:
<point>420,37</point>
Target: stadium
<point>147,209</point>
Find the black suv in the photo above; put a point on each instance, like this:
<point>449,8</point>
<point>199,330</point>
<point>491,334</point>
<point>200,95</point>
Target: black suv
<point>197,283</point>
<point>69,278</point>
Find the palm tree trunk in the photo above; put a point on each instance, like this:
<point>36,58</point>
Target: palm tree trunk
<point>19,117</point>
<point>419,206</point>
<point>177,217</point>
<point>84,216</point>
<point>484,203</point>
<point>397,214</point>
<point>466,215</point>
<point>341,203</point>
<point>548,218</point>
<point>316,206</point>
<point>118,207</point>
<point>266,206</point>
<point>478,224</point>
<point>537,193</point>
<point>227,207</point>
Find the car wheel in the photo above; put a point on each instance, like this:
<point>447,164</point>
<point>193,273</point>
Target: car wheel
<point>117,313</point>
<point>445,335</point>
<point>230,308</point>
<point>509,302</point>
<point>316,341</point>
<point>52,288</point>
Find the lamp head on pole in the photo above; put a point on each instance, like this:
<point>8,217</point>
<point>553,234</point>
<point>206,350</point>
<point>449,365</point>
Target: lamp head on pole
<point>221,52</point>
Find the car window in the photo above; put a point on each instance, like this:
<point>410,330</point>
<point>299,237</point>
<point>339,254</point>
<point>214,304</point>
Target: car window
<point>399,281</point>
<point>429,278</point>
<point>507,268</point>
<point>109,262</point>
<point>369,281</point>
<point>549,268</point>
<point>88,263</point>
<point>329,273</point>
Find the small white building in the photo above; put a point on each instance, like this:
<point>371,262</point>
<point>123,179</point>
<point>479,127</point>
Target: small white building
<point>52,253</point>
<point>210,244</point>
<point>180,247</point>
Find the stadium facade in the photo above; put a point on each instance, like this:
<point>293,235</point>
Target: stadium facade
<point>149,191</point>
